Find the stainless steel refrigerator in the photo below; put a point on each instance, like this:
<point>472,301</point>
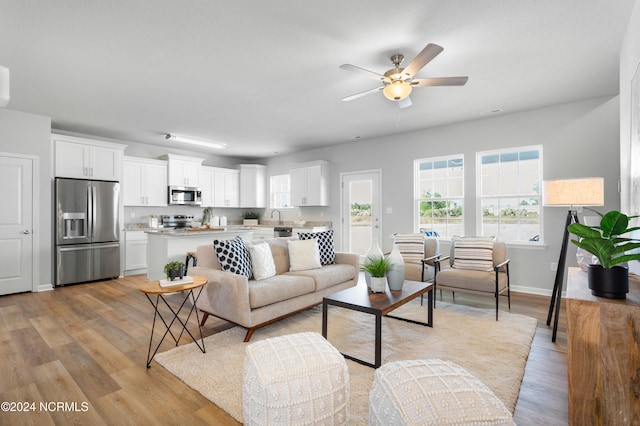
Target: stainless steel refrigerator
<point>87,230</point>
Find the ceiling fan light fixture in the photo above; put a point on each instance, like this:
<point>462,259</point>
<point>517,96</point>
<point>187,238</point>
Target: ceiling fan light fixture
<point>192,141</point>
<point>397,90</point>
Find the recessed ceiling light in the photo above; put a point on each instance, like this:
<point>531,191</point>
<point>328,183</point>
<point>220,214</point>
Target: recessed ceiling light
<point>192,141</point>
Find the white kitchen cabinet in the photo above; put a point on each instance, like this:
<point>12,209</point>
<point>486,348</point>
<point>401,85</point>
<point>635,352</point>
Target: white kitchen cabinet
<point>183,171</point>
<point>220,187</point>
<point>253,181</point>
<point>135,252</point>
<point>144,182</point>
<point>310,184</point>
<point>262,233</point>
<point>83,158</point>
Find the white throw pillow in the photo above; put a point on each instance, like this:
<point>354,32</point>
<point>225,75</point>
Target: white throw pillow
<point>303,254</point>
<point>262,264</point>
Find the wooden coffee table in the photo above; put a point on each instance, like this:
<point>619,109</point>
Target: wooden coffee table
<point>360,298</point>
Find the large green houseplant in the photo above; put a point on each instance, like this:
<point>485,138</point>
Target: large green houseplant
<point>378,268</point>
<point>605,241</point>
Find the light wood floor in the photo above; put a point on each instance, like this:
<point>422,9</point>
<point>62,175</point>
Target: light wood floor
<point>86,345</point>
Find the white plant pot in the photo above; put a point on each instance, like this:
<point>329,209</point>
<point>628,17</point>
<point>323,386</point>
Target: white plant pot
<point>378,284</point>
<point>250,222</point>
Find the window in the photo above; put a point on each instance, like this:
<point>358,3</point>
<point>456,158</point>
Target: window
<point>280,191</point>
<point>439,192</point>
<point>509,188</point>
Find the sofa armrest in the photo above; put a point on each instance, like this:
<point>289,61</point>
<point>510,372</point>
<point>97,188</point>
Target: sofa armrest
<point>225,295</point>
<point>348,259</point>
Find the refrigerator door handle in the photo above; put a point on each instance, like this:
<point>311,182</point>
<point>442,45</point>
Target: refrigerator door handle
<point>89,213</point>
<point>94,213</point>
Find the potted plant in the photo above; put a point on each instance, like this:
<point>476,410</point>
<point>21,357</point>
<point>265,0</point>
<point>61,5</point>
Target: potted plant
<point>250,219</point>
<point>609,278</point>
<point>174,269</point>
<point>378,268</point>
<point>206,216</point>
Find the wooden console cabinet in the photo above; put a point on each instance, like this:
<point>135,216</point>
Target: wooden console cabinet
<point>603,355</point>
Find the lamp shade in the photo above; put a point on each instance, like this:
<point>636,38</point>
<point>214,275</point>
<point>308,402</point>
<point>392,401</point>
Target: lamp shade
<point>397,90</point>
<point>573,192</point>
<point>4,86</point>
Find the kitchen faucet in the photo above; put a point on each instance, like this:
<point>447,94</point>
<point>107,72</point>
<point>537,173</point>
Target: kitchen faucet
<point>279,216</point>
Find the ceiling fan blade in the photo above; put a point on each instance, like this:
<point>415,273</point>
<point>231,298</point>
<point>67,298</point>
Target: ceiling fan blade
<point>405,103</point>
<point>370,74</point>
<point>361,94</point>
<point>423,58</point>
<point>440,81</point>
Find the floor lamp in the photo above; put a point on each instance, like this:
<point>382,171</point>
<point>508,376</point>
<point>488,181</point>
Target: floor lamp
<point>579,192</point>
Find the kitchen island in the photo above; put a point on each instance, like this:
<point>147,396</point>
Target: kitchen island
<point>165,246</point>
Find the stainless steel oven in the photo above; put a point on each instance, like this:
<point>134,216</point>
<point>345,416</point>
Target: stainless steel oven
<point>185,195</point>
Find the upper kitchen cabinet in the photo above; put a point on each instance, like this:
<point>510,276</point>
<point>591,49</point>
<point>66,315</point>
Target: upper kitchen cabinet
<point>144,182</point>
<point>183,171</point>
<point>253,181</point>
<point>220,187</point>
<point>83,158</point>
<point>310,184</point>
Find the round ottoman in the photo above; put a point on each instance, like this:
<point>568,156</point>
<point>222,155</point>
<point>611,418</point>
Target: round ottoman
<point>296,379</point>
<point>432,392</point>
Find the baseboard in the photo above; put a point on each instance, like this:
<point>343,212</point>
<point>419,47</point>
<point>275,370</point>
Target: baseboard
<point>533,290</point>
<point>44,287</point>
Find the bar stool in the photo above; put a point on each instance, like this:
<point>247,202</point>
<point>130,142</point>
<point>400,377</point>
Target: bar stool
<point>191,255</point>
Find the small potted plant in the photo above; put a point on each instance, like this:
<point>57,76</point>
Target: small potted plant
<point>206,216</point>
<point>174,270</point>
<point>250,219</point>
<point>609,278</point>
<point>377,267</point>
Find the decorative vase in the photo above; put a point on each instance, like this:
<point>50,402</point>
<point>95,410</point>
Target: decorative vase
<point>374,251</point>
<point>176,273</point>
<point>378,284</point>
<point>612,283</point>
<point>395,276</point>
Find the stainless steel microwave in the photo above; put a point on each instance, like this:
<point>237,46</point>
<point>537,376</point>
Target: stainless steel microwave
<point>185,195</point>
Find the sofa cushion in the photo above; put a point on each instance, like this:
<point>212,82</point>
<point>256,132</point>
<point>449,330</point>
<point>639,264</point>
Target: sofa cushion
<point>325,245</point>
<point>277,289</point>
<point>303,255</point>
<point>233,256</point>
<point>328,275</point>
<point>262,264</point>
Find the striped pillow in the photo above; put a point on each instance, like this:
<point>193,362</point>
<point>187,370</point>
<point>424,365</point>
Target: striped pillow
<point>473,253</point>
<point>410,246</point>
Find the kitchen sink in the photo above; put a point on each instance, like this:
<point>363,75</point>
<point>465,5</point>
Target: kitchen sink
<point>282,231</point>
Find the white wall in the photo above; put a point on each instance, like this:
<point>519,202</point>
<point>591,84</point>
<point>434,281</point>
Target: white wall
<point>629,63</point>
<point>579,139</point>
<point>29,134</point>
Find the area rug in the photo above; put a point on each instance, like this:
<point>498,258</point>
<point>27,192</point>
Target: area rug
<point>495,352</point>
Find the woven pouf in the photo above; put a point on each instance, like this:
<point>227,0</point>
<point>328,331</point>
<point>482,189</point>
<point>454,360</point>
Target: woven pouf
<point>432,392</point>
<point>297,379</point>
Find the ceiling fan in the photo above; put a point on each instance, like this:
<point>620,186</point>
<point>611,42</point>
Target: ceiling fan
<point>399,82</point>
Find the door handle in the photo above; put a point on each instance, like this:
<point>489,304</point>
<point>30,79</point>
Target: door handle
<point>26,232</point>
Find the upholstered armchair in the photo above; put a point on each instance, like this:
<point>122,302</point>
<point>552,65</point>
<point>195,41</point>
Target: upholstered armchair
<point>476,265</point>
<point>419,254</point>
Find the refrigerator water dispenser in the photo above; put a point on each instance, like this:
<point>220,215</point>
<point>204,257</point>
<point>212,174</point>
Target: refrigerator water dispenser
<point>74,225</point>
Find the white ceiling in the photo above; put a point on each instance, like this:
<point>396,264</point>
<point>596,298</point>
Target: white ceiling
<point>262,75</point>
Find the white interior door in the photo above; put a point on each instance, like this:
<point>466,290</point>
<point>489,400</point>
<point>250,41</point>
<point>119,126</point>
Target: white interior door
<point>360,210</point>
<point>16,224</point>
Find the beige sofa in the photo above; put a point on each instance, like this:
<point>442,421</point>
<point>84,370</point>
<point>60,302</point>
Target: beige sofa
<point>254,304</point>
